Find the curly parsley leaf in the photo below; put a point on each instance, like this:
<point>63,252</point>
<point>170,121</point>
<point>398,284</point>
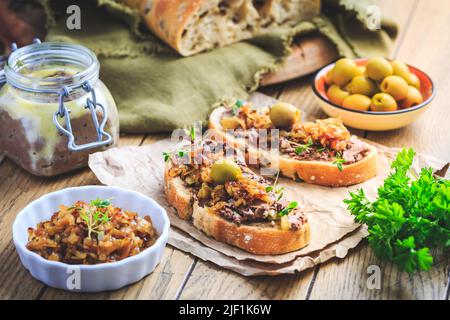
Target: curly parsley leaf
<point>409,217</point>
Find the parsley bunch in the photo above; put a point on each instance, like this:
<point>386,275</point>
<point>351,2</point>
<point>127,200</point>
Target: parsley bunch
<point>410,216</point>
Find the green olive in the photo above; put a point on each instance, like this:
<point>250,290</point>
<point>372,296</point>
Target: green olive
<point>343,72</point>
<point>400,69</point>
<point>336,95</point>
<point>413,80</point>
<point>329,77</point>
<point>224,170</point>
<point>362,85</point>
<point>357,102</point>
<point>379,68</point>
<point>204,192</point>
<point>383,102</point>
<point>361,71</point>
<point>413,98</point>
<point>283,114</point>
<point>395,86</point>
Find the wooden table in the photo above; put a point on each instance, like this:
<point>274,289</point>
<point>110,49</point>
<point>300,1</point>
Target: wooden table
<point>423,42</point>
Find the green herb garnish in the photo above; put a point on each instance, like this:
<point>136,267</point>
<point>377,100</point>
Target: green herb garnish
<point>181,153</point>
<point>100,203</point>
<point>166,156</point>
<point>278,191</point>
<point>291,206</point>
<point>302,148</point>
<point>409,217</point>
<point>339,161</point>
<point>235,108</point>
<point>192,133</point>
<point>94,219</point>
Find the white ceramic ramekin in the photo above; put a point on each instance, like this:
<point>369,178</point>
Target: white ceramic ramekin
<point>90,278</point>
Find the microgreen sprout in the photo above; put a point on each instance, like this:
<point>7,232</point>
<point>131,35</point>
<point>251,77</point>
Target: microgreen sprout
<point>291,206</point>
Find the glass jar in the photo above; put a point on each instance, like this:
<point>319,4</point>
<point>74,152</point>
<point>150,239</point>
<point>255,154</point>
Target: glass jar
<point>54,110</point>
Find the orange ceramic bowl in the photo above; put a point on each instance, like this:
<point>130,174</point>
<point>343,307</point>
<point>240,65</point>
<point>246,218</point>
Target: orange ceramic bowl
<point>373,120</point>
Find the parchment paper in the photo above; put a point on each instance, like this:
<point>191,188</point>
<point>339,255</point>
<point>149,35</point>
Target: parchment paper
<point>333,230</point>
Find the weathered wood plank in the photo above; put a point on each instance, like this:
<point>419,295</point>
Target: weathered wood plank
<point>163,283</point>
<point>208,281</point>
<point>347,279</point>
<point>307,56</point>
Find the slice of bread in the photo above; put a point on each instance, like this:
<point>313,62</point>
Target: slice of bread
<point>258,238</point>
<point>261,238</point>
<point>316,172</point>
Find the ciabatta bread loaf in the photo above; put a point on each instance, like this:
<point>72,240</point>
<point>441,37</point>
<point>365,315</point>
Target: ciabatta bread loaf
<point>192,26</point>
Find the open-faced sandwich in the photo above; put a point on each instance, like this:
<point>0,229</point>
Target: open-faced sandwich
<point>209,183</point>
<point>321,152</point>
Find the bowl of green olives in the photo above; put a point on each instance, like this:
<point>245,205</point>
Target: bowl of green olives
<point>373,94</point>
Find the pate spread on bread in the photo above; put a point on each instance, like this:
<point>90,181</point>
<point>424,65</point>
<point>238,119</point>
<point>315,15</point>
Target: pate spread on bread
<point>321,152</point>
<point>229,202</point>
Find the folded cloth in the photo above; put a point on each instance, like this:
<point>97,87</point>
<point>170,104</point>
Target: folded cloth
<point>157,90</point>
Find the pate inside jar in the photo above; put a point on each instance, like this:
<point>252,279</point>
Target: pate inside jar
<point>54,110</point>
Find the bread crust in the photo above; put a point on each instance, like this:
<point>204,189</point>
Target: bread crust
<point>315,172</point>
<point>178,195</point>
<point>259,238</point>
<point>167,19</point>
<point>170,19</point>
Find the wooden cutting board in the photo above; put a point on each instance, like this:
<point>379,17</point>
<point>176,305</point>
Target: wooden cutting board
<point>308,55</point>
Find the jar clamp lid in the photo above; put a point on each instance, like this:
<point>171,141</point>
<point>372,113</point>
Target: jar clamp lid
<point>84,81</point>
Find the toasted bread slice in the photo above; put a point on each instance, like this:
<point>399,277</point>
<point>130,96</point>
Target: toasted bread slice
<point>258,237</point>
<point>324,173</point>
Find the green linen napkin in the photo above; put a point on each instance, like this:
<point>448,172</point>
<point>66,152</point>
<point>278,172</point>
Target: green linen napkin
<point>156,90</point>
